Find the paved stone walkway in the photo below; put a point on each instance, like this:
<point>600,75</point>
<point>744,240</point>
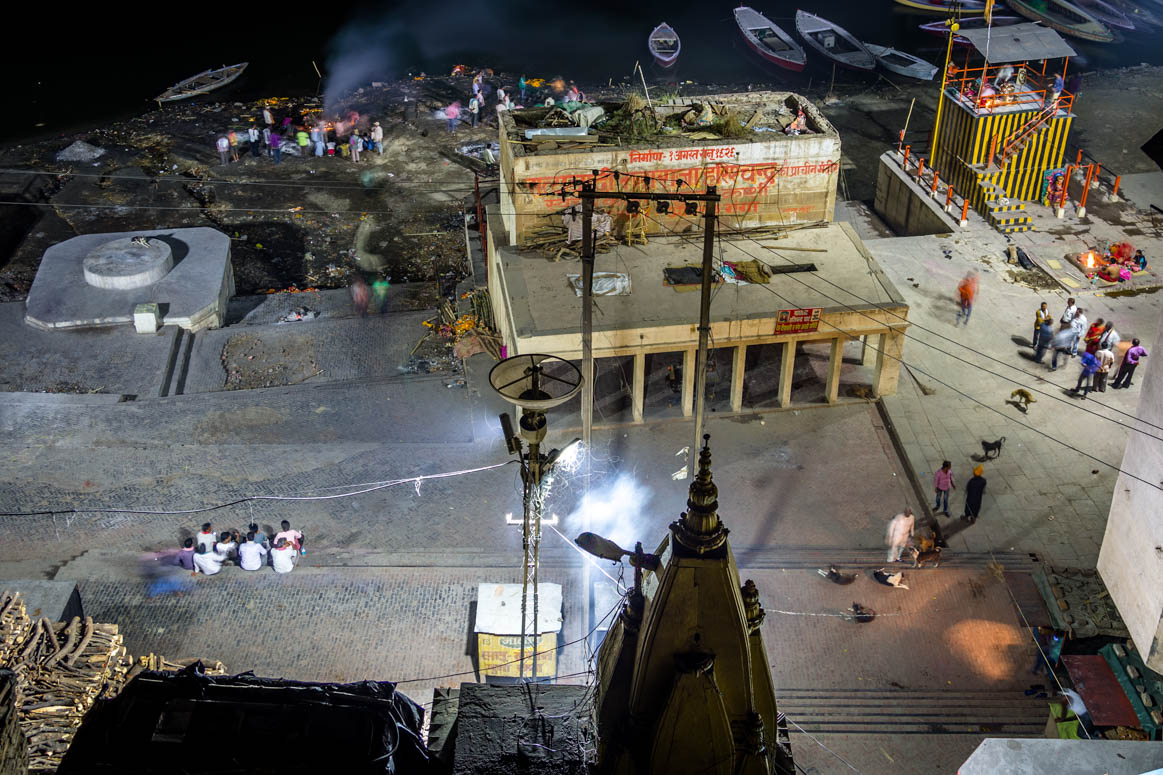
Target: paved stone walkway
<point>1042,496</point>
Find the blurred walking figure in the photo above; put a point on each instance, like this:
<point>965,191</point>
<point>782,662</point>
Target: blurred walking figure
<point>223,149</point>
<point>380,294</point>
<point>232,137</point>
<point>522,85</point>
<point>253,135</point>
<point>1089,367</point>
<point>474,111</point>
<point>267,117</point>
<point>1062,342</point>
<point>356,143</point>
<point>1043,336</point>
<point>452,114</point>
<point>900,530</point>
<point>966,293</point>
<point>276,143</point>
<point>359,295</point>
<point>1041,317</point>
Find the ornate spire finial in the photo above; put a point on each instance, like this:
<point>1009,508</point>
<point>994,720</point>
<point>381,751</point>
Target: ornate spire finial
<point>751,607</point>
<point>700,528</point>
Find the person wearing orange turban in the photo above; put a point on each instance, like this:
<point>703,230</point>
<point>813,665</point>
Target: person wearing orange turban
<point>974,489</point>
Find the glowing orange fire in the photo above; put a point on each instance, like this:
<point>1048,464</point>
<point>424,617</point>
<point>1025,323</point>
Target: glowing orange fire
<point>1090,260</point>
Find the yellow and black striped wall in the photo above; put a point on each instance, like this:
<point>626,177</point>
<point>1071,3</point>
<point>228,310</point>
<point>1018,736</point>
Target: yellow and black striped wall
<point>963,152</point>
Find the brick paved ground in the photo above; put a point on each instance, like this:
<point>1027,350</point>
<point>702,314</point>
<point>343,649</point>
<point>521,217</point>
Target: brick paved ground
<point>1041,496</point>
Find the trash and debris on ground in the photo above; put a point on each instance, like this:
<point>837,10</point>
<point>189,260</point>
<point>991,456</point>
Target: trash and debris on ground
<point>299,313</point>
<point>80,151</point>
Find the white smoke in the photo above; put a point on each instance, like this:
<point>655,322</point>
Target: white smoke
<point>614,511</point>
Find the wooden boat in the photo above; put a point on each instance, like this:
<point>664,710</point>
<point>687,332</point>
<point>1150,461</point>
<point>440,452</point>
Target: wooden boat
<point>205,81</point>
<point>664,45</point>
<point>944,6</point>
<point>901,63</point>
<point>766,39</point>
<point>1137,13</point>
<point>834,42</point>
<point>1106,13</point>
<point>969,23</point>
<point>1065,17</point>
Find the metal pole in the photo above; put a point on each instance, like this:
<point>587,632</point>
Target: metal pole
<point>587,259</point>
<point>941,97</point>
<point>704,330</point>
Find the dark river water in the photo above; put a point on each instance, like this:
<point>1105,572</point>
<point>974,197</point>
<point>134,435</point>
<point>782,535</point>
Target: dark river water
<point>102,68</point>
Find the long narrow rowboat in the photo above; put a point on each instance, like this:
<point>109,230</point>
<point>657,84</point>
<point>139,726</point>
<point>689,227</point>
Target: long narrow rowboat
<point>1065,17</point>
<point>203,82</point>
<point>969,23</point>
<point>944,6</point>
<point>664,45</point>
<point>834,42</point>
<point>768,40</point>
<point>899,62</point>
<point>1106,13</point>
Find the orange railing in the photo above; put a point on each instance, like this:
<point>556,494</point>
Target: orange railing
<point>986,88</point>
<point>919,168</point>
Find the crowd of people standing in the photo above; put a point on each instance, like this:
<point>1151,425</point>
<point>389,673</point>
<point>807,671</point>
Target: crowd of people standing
<point>1099,341</point>
<point>267,136</point>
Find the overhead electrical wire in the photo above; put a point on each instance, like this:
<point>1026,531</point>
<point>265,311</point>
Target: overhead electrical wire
<point>416,480</point>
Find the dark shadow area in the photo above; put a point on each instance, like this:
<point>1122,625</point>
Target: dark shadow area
<point>810,376</point>
<point>241,306</point>
<point>271,257</point>
<point>761,376</point>
<point>178,248</point>
<point>663,386</point>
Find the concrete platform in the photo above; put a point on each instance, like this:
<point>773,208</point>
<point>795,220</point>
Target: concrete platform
<point>193,295</point>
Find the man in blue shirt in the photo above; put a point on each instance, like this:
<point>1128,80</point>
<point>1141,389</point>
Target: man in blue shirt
<point>1089,367</point>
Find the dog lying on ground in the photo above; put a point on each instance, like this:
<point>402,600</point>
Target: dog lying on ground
<point>835,576</point>
<point>890,579</point>
<point>1023,396</point>
<point>993,446</point>
<point>920,558</point>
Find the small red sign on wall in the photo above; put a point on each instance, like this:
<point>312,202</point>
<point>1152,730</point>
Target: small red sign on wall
<point>797,321</point>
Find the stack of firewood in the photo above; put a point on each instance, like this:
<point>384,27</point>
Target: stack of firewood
<point>62,669</point>
<point>550,241</point>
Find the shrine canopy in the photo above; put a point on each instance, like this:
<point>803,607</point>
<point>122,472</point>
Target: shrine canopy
<point>1018,43</point>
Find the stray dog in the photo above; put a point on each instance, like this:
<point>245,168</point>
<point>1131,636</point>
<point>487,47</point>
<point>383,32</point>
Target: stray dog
<point>890,579</point>
<point>920,558</point>
<point>993,446</point>
<point>925,543</point>
<point>1022,396</point>
<point>835,576</point>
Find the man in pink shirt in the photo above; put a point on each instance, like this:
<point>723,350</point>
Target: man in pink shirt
<point>294,537</point>
<point>943,483</point>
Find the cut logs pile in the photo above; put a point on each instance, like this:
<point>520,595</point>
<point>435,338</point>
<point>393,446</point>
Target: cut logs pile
<point>61,670</point>
<point>551,242</point>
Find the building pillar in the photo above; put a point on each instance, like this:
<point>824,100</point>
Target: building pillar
<point>835,361</point>
<point>737,370</point>
<point>688,383</point>
<point>866,351</point>
<point>888,365</point>
<point>638,388</point>
<point>787,368</point>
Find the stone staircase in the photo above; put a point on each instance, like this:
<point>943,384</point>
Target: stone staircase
<point>915,712</point>
<point>1006,215</point>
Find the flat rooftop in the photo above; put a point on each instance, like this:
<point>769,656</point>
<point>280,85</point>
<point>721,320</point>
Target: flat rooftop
<point>543,303</point>
<point>775,109</point>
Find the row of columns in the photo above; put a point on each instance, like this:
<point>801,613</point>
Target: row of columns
<point>887,348</point>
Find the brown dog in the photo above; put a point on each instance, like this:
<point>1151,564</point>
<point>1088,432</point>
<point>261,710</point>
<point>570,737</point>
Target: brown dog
<point>920,558</point>
<point>925,542</point>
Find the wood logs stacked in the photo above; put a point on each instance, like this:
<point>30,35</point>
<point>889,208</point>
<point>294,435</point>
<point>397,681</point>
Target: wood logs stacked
<point>62,669</point>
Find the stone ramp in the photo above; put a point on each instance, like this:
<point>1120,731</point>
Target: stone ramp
<point>913,712</point>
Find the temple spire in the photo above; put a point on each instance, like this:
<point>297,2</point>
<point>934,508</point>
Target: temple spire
<point>700,528</point>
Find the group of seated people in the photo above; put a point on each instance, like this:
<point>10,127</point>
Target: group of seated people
<point>208,551</point>
<point>1009,85</point>
<point>1118,263</point>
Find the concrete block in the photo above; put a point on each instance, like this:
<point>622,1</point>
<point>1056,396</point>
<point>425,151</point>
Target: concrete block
<point>146,318</point>
<point>193,293</point>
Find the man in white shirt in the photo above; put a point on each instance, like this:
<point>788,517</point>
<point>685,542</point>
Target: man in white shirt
<point>207,562</point>
<point>251,553</point>
<point>227,547</point>
<point>282,556</point>
<point>1078,324</point>
<point>206,538</point>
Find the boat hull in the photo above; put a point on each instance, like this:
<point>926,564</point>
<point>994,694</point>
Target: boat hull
<point>943,6</point>
<point>665,61</point>
<point>809,24</point>
<point>768,56</point>
<point>184,90</point>
<point>1092,30</point>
